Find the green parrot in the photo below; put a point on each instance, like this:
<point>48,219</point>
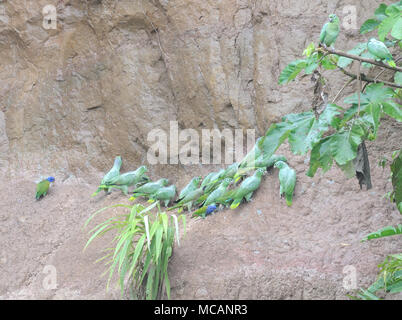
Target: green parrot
<point>149,188</point>
<point>261,162</point>
<point>287,181</point>
<point>43,187</point>
<point>165,194</point>
<point>330,31</point>
<point>249,159</point>
<point>188,200</point>
<point>218,193</point>
<point>230,171</point>
<point>128,179</point>
<point>247,187</point>
<point>380,50</point>
<point>214,181</point>
<point>207,179</point>
<point>114,172</point>
<point>191,186</point>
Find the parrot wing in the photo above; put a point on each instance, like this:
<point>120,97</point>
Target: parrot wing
<point>287,179</point>
<point>114,172</point>
<point>323,32</point>
<point>42,188</point>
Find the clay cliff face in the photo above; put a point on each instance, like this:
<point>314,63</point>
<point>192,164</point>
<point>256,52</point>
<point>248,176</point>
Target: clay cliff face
<point>73,97</point>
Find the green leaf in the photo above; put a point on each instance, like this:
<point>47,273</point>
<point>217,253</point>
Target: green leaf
<point>398,78</point>
<point>393,109</point>
<point>384,232</point>
<point>344,144</point>
<point>328,64</point>
<point>369,25</point>
<point>307,130</point>
<point>276,134</point>
<point>291,71</point>
<point>321,157</point>
<point>380,12</point>
<point>348,169</point>
<point>309,50</point>
<point>343,62</point>
<point>397,29</point>
<point>385,27</point>
<point>393,9</point>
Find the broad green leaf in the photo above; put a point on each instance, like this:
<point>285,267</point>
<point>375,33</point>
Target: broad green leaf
<point>329,115</point>
<point>393,109</point>
<point>343,62</point>
<point>398,78</point>
<point>384,232</point>
<point>393,9</point>
<point>320,157</point>
<point>369,25</point>
<point>380,12</point>
<point>327,63</point>
<point>344,144</point>
<point>385,26</point>
<point>307,130</point>
<point>291,71</point>
<point>397,29</point>
<point>309,50</point>
<point>348,169</point>
<point>276,134</point>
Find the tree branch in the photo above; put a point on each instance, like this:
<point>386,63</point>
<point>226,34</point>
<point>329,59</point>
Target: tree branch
<point>363,77</point>
<point>358,58</point>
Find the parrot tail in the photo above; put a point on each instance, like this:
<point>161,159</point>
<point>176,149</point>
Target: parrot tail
<point>199,212</point>
<point>289,200</point>
<point>235,204</point>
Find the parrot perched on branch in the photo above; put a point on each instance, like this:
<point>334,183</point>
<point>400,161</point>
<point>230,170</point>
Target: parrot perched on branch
<point>43,187</point>
<point>165,194</point>
<point>191,186</point>
<point>287,181</point>
<point>330,31</point>
<point>380,50</point>
<point>189,199</point>
<point>149,188</point>
<point>114,172</point>
<point>247,187</point>
<point>128,179</point>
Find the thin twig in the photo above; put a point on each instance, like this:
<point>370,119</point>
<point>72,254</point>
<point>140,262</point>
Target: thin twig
<point>380,73</point>
<point>358,58</point>
<point>359,79</point>
<point>371,80</point>
<point>343,88</point>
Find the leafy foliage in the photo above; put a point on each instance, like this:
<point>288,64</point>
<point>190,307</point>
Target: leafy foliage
<point>384,232</point>
<point>386,19</point>
<point>142,248</point>
<point>389,279</point>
